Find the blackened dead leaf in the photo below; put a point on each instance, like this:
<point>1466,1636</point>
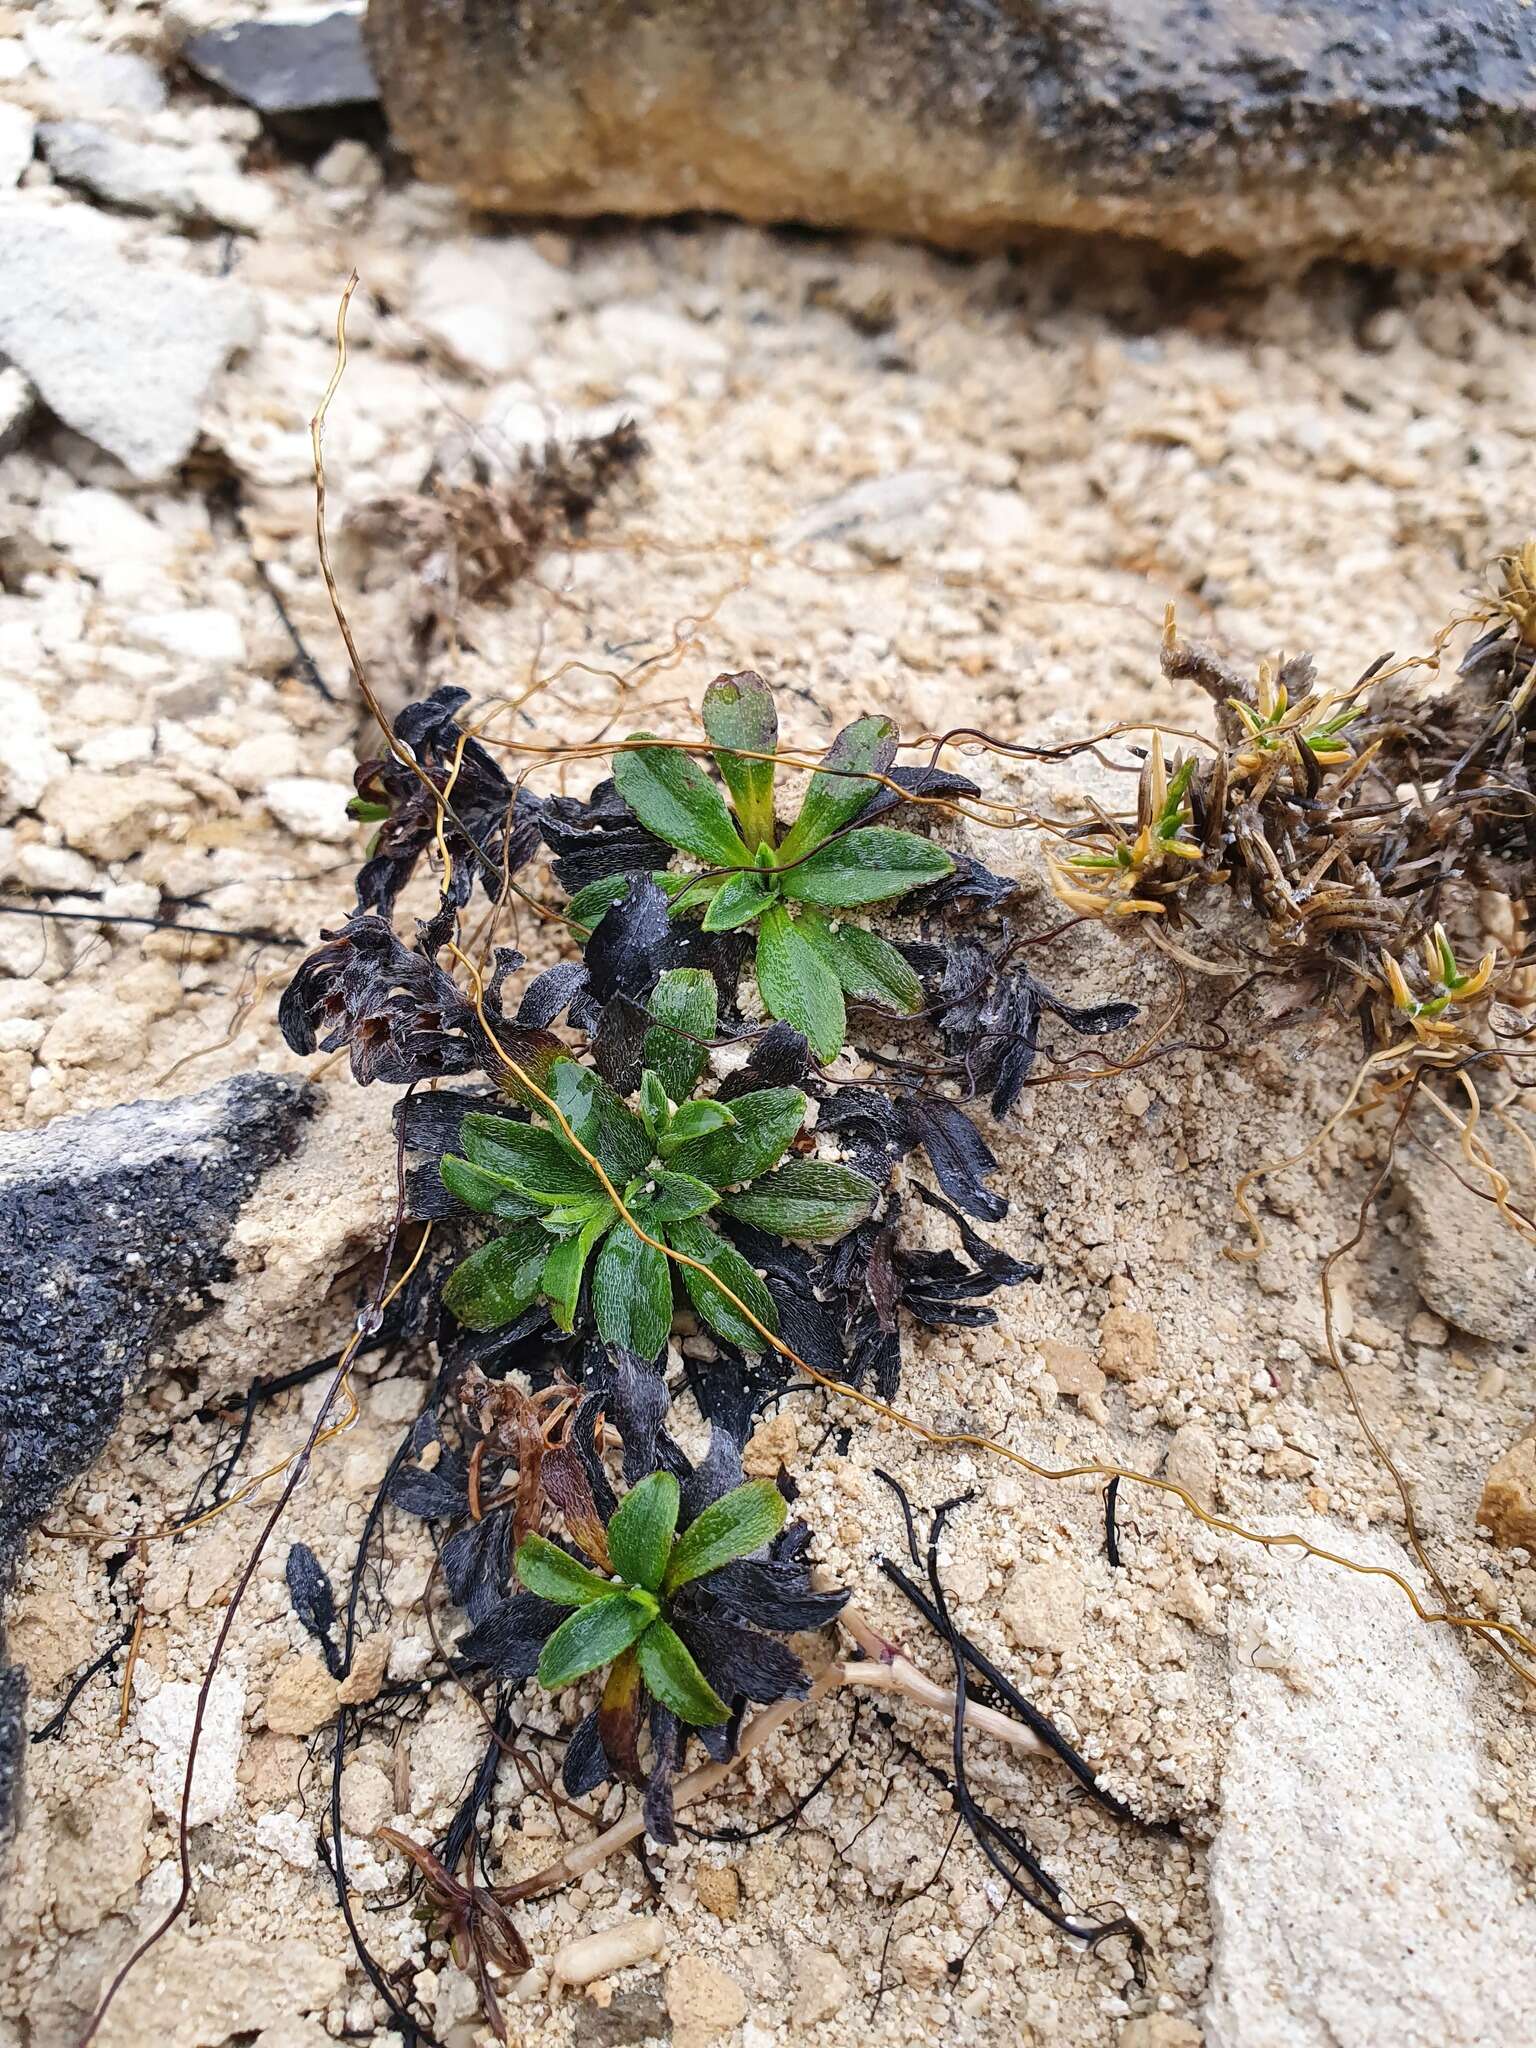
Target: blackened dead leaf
<point>598,837</point>
<point>314,1603</point>
<point>489,829</point>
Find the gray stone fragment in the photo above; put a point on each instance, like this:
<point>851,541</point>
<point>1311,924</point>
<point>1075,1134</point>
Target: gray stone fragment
<point>201,182</point>
<point>293,63</point>
<point>124,353</point>
<point>1360,1890</point>
<point>1470,1267</point>
<point>112,1225</point>
<point>1385,128</point>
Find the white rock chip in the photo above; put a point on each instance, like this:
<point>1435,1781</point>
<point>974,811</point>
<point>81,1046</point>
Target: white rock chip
<point>202,182</point>
<point>483,302</point>
<point>165,1722</point>
<point>17,135</point>
<point>124,353</point>
<point>289,1836</point>
<point>264,758</point>
<point>94,77</point>
<point>29,760</point>
<point>310,808</point>
<point>202,634</point>
<point>1359,1891</point>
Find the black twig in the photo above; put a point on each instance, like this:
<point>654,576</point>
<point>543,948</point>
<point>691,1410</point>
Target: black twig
<point>54,1725</point>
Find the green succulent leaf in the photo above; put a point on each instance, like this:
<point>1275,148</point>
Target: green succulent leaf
<point>869,865</point>
<point>694,1120</point>
<point>673,797</point>
<point>686,998</point>
<point>499,1281</point>
<point>867,966</point>
<point>733,1526</point>
<point>589,906</point>
<point>600,1120</point>
<point>673,1198</point>
<point>865,748</point>
<point>798,986</point>
<point>739,713</point>
<point>739,899</point>
<point>669,1670</point>
<point>632,1293</point>
<point>814,1201</point>
<point>655,1110</point>
<point>723,1260</point>
<point>640,1533</point>
<point>532,1160</point>
<point>591,1637</point>
<point>561,1282</point>
<point>761,1129</point>
<point>490,1193</point>
<point>552,1573</point>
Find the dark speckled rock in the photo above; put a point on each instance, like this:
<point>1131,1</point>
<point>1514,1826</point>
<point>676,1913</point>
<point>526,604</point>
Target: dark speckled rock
<point>1386,129</point>
<point>111,1227</point>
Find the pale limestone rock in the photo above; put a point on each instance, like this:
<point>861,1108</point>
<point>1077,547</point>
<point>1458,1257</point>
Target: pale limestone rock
<point>29,761</point>
<point>821,1988</point>
<point>48,1634</point>
<point>265,758</point>
<point>18,406</point>
<point>202,634</point>
<point>111,816</point>
<point>1360,1891</point>
<point>483,302</point>
<point>302,1696</point>
<point>1479,1280</point>
<point>1071,1366</point>
<point>93,76</point>
<point>200,182</point>
<point>125,353</point>
<point>92,1035</point>
<point>369,1663</point>
<point>719,1890</point>
<point>17,136</point>
<point>1043,1608</point>
<point>165,1722</point>
<point>200,1994</point>
<point>294,2033</point>
<point>1191,1462</point>
<point>311,808</point>
<point>1127,1343</point>
<point>1508,1506</point>
<point>98,1850</point>
<point>1159,2030</point>
<point>771,1444</point>
<point>704,2004</point>
<point>367,1798</point>
<point>290,1836</point>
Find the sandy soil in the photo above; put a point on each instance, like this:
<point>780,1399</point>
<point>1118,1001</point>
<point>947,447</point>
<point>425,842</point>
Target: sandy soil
<point>960,491</point>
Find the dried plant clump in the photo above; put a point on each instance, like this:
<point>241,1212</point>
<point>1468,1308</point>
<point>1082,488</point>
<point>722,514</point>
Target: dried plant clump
<point>472,538</point>
<point>1355,824</point>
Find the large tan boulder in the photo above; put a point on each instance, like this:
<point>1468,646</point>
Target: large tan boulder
<point>1382,128</point>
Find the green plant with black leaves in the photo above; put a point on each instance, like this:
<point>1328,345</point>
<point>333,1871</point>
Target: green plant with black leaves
<point>795,886</point>
<point>623,1621</point>
<point>676,1159</point>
